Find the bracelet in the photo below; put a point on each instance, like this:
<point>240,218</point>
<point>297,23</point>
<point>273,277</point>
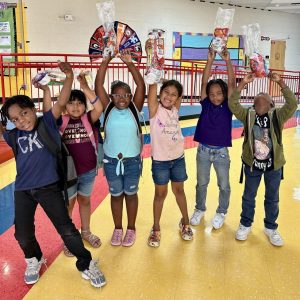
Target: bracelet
<point>94,101</point>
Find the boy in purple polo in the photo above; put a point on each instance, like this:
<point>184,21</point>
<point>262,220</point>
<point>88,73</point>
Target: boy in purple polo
<point>213,132</point>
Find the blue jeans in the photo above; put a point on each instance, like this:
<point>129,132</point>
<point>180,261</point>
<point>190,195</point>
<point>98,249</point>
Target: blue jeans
<point>174,170</point>
<point>272,182</point>
<point>127,183</point>
<point>221,162</point>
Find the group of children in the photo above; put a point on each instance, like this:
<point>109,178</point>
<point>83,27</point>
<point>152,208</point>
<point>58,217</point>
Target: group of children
<point>37,180</point>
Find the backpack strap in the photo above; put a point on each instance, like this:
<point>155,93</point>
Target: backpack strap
<point>90,131</point>
<point>65,122</point>
<point>12,137</point>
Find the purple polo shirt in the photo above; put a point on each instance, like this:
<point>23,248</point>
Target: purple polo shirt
<point>214,124</point>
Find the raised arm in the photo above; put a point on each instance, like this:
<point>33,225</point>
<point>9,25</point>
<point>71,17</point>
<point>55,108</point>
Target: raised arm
<point>64,96</point>
<point>231,76</point>
<point>206,72</point>
<point>140,91</point>
<point>91,96</point>
<point>47,100</point>
<point>234,104</point>
<point>99,82</point>
<point>290,105</point>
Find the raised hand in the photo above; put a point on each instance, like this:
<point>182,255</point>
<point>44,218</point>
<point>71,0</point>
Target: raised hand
<point>125,56</point>
<point>225,55</point>
<point>274,77</point>
<point>66,68</point>
<point>248,78</point>
<point>82,80</point>
<point>40,86</point>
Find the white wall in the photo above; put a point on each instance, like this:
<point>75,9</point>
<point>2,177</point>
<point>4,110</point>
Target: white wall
<point>49,33</point>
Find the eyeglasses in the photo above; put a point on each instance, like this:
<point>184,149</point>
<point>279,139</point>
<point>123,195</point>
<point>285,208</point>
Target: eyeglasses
<point>119,96</point>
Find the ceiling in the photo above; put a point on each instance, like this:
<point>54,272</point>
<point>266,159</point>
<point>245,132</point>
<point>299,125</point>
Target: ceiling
<point>274,5</point>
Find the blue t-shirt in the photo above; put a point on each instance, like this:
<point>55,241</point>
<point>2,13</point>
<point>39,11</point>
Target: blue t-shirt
<point>36,166</point>
<point>214,124</point>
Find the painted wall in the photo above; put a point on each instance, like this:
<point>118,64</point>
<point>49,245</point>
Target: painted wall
<point>49,32</point>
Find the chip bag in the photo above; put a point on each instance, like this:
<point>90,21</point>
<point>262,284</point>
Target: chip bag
<point>155,57</point>
<point>106,13</point>
<point>252,37</point>
<point>223,24</point>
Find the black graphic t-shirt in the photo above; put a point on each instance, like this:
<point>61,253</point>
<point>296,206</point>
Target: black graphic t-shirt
<point>263,148</point>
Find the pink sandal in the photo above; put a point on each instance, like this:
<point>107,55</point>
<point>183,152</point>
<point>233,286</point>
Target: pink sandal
<point>67,252</point>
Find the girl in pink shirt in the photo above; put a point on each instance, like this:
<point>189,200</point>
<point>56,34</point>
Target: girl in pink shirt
<point>167,150</point>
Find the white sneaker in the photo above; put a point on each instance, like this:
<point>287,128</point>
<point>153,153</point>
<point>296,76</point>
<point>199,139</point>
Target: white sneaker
<point>274,237</point>
<point>32,272</point>
<point>242,232</point>
<point>218,220</point>
<point>196,217</point>
<point>94,274</point>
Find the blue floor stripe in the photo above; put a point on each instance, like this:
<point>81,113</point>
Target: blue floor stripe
<point>7,213</point>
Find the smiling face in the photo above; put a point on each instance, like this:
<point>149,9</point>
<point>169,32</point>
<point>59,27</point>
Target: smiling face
<point>23,118</point>
<point>215,94</point>
<point>169,96</point>
<point>75,108</point>
<point>121,97</point>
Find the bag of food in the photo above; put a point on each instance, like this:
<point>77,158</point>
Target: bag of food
<point>155,57</point>
<point>223,24</point>
<point>251,38</point>
<point>106,13</point>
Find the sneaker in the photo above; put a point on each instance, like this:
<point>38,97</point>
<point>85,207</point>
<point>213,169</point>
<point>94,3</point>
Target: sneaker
<point>94,274</point>
<point>32,272</point>
<point>129,238</point>
<point>116,239</point>
<point>186,232</point>
<point>274,237</point>
<point>154,238</point>
<point>218,220</point>
<point>196,217</point>
<point>242,232</point>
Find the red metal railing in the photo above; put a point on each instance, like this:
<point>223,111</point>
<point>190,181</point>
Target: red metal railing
<point>26,66</point>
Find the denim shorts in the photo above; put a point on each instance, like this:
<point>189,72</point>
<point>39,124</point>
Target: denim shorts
<point>128,182</point>
<point>84,185</point>
<point>174,170</point>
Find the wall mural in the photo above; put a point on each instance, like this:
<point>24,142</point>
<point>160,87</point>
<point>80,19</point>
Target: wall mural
<point>194,46</point>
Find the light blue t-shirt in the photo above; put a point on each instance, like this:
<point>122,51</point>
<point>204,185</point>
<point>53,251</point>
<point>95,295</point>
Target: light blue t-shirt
<point>121,134</point>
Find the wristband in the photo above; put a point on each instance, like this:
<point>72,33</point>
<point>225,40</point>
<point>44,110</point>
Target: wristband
<point>94,101</point>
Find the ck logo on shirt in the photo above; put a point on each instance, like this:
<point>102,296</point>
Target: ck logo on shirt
<point>27,143</point>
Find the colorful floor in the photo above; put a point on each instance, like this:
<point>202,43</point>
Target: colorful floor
<point>213,266</point>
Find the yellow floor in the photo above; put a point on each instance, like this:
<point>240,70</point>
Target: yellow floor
<point>213,266</point>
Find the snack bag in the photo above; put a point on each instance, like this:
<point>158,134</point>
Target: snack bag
<point>49,77</point>
<point>106,13</point>
<point>252,37</point>
<point>223,24</point>
<point>155,58</point>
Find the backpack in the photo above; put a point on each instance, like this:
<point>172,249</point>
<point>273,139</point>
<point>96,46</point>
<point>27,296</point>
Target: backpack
<point>278,134</point>
<point>92,132</point>
<point>66,166</point>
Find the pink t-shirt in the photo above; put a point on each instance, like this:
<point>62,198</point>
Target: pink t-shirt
<point>80,147</point>
<point>167,142</point>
